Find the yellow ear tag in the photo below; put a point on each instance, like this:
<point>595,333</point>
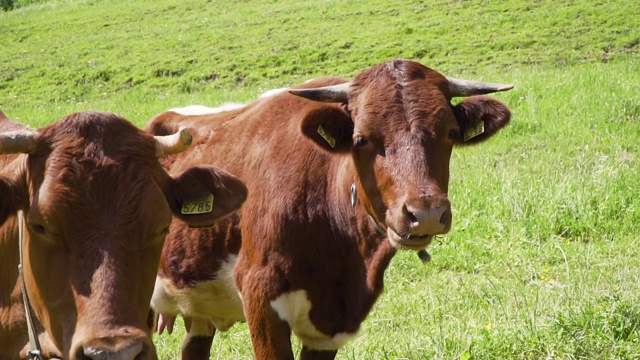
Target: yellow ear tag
<point>199,206</point>
<point>328,138</point>
<point>474,131</point>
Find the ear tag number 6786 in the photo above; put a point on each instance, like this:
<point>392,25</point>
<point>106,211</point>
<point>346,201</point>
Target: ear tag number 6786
<point>199,206</point>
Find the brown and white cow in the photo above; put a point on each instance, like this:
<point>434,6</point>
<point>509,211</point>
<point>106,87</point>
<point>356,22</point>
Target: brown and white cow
<point>306,253</point>
<point>97,207</point>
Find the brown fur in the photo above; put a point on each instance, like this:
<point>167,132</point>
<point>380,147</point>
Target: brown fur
<point>97,209</point>
<point>297,227</point>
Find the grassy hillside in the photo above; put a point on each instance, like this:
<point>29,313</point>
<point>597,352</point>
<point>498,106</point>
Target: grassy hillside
<point>543,258</point>
<point>79,52</point>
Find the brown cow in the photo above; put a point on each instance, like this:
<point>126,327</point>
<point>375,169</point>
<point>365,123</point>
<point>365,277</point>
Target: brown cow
<point>97,207</point>
<point>306,252</point>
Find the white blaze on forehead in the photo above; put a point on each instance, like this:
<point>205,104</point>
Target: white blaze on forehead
<point>294,307</point>
<point>193,110</point>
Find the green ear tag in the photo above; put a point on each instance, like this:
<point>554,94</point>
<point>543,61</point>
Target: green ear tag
<point>328,138</point>
<point>474,131</point>
<point>199,206</point>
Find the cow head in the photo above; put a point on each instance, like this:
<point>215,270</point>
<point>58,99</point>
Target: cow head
<point>399,126</point>
<point>98,206</point>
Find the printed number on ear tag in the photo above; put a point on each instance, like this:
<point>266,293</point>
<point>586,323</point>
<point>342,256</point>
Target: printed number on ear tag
<point>474,131</point>
<point>199,206</point>
<point>328,138</point>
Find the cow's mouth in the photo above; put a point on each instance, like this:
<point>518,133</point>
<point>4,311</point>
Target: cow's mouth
<point>409,241</point>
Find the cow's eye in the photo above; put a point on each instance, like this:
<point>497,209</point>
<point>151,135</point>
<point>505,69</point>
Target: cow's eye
<point>453,134</point>
<point>360,141</point>
<point>40,229</point>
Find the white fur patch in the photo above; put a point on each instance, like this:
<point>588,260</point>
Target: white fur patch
<point>194,110</point>
<point>272,92</point>
<point>217,300</point>
<point>294,307</point>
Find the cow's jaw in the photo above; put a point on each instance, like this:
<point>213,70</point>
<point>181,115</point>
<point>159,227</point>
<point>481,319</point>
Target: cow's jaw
<point>411,242</point>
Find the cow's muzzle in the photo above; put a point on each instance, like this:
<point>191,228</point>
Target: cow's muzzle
<point>419,220</point>
<point>134,345</point>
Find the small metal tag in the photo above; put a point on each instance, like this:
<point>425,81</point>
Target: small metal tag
<point>328,138</point>
<point>354,195</point>
<point>474,131</point>
<point>199,206</point>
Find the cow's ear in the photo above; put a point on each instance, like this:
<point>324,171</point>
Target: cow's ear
<point>329,127</point>
<point>202,195</point>
<point>479,118</point>
<point>11,196</point>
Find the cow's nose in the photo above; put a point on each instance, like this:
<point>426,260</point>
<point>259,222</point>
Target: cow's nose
<point>427,216</point>
<point>121,347</point>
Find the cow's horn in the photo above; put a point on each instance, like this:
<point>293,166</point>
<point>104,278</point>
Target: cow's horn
<point>331,94</point>
<point>173,144</point>
<point>14,142</point>
<point>459,87</point>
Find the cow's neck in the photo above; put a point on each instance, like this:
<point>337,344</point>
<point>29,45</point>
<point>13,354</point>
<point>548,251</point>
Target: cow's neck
<point>375,249</point>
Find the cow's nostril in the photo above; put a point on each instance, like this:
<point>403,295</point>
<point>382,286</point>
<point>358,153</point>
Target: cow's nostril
<point>411,217</point>
<point>445,219</point>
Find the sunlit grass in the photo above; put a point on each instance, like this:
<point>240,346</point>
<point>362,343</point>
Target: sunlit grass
<point>543,258</point>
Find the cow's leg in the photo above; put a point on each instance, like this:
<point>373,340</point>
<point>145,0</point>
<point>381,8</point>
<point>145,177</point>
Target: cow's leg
<point>197,342</point>
<point>308,354</point>
<point>270,336</point>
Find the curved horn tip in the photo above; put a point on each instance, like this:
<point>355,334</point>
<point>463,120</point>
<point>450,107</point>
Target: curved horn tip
<point>505,87</point>
<point>185,136</point>
<point>461,87</point>
<point>329,94</point>
<point>174,143</point>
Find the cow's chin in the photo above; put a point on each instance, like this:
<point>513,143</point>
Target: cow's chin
<point>408,243</point>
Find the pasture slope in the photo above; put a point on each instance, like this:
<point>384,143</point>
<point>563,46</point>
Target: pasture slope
<point>543,259</point>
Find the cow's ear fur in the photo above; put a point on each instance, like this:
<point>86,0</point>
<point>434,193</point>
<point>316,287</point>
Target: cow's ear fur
<point>229,193</point>
<point>472,110</point>
<point>329,127</point>
<point>10,193</point>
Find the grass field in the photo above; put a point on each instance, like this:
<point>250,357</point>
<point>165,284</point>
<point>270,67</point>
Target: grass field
<point>543,260</point>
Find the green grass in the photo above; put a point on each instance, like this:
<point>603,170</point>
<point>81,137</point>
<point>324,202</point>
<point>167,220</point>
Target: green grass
<point>543,258</point>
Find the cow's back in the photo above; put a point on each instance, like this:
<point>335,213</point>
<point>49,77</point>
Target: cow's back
<point>261,144</point>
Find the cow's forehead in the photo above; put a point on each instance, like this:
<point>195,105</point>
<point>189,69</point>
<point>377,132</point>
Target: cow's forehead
<point>390,100</point>
<point>400,73</point>
<point>92,164</point>
<point>103,205</point>
<point>99,132</point>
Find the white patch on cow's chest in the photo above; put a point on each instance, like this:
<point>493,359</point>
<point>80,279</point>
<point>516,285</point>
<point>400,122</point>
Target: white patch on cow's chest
<point>294,307</point>
<point>193,110</point>
<point>217,300</point>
